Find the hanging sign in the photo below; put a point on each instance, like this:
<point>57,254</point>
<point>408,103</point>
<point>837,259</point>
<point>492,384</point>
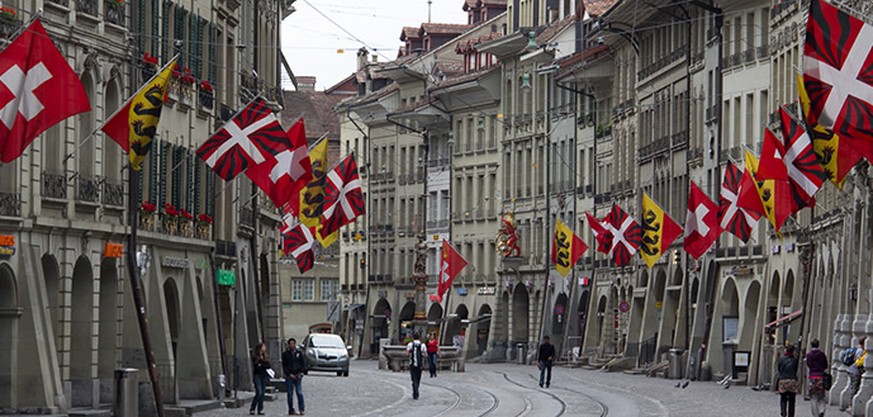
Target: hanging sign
<point>7,245</point>
<point>226,277</point>
<point>113,250</point>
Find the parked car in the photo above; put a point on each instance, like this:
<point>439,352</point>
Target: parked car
<point>326,352</point>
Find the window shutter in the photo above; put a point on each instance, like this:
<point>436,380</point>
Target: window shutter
<point>210,192</point>
<point>155,27</point>
<point>165,32</point>
<point>197,167</point>
<point>162,186</point>
<point>213,54</point>
<point>176,174</point>
<point>141,11</point>
<point>154,160</point>
<point>191,183</point>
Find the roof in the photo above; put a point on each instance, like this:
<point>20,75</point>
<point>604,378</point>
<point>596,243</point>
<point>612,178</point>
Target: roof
<point>579,60</point>
<point>595,8</point>
<point>369,98</point>
<point>464,78</point>
<point>316,107</point>
<point>444,28</point>
<point>555,28</point>
<point>450,68</point>
<point>473,4</point>
<point>470,44</point>
<point>409,32</point>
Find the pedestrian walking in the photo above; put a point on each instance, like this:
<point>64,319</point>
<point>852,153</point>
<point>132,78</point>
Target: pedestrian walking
<point>787,367</point>
<point>856,364</point>
<point>417,351</point>
<point>544,361</point>
<point>293,366</point>
<point>260,370</point>
<point>433,352</point>
<point>817,363</point>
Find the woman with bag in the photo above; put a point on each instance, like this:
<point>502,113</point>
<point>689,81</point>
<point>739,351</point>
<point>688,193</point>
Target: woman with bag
<point>260,370</point>
<point>787,367</point>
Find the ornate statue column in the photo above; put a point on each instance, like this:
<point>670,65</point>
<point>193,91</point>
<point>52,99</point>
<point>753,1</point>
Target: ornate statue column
<point>419,275</point>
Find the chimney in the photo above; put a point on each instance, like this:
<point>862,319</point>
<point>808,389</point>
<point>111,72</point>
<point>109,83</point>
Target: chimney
<point>375,59</point>
<point>362,58</point>
<point>305,83</point>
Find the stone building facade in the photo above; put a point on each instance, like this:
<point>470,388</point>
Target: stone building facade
<point>68,319</point>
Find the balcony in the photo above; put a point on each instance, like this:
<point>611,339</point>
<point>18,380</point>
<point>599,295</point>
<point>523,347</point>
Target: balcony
<point>206,99</point>
<point>695,153</point>
<point>65,3</point>
<point>763,51</point>
<point>87,189</point>
<point>9,26</point>
<point>749,55</point>
<point>225,248</point>
<point>247,217</point>
<point>175,226</point>
<point>781,7</point>
<point>54,186</point>
<point>602,198</point>
<point>711,113</point>
<point>113,194</point>
<point>679,140</point>
<point>10,204</point>
<point>88,7</point>
<point>603,131</point>
<point>114,12</point>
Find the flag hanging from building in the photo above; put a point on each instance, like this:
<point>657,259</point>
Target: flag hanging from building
<point>451,264</point>
<point>42,90</point>
<point>312,197</point>
<point>772,164</point>
<point>298,241</point>
<point>244,141</point>
<point>836,160</point>
<point>738,221</point>
<point>567,248</point>
<point>343,198</point>
<point>701,222</point>
<point>769,198</point>
<point>600,234</point>
<point>658,231</point>
<point>284,175</point>
<point>805,172</point>
<point>836,74</point>
<point>133,126</point>
<point>624,234</point>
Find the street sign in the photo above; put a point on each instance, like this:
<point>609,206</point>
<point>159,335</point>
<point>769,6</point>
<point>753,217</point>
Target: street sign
<point>658,304</point>
<point>624,306</point>
<point>559,309</point>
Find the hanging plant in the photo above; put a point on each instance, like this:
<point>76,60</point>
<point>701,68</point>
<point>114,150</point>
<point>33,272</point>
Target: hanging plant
<point>8,14</point>
<point>147,208</point>
<point>204,219</point>
<point>205,85</point>
<point>115,4</point>
<point>170,211</point>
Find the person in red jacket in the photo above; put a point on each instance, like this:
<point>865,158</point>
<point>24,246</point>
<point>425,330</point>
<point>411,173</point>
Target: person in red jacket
<point>817,363</point>
<point>433,352</point>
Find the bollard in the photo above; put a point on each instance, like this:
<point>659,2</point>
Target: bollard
<point>222,386</point>
<point>126,402</point>
<point>520,349</point>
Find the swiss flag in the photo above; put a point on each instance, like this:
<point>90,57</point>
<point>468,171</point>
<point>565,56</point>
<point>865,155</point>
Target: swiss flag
<point>38,89</point>
<point>600,234</point>
<point>244,141</point>
<point>451,264</point>
<point>701,223</point>
<point>343,197</point>
<point>772,164</point>
<point>284,174</point>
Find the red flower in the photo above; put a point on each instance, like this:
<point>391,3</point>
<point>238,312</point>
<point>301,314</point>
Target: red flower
<point>177,74</point>
<point>171,211</point>
<point>147,207</point>
<point>186,215</point>
<point>205,85</point>
<point>149,59</point>
<point>204,218</point>
<point>8,11</point>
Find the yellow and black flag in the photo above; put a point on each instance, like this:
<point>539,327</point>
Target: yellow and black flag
<point>312,197</point>
<point>659,231</point>
<point>567,248</point>
<point>133,126</point>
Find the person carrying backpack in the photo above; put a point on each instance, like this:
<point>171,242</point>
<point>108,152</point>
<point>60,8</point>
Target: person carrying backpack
<point>854,359</point>
<point>417,351</point>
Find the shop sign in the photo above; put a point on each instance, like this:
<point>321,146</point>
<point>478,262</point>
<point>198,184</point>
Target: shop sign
<point>225,277</point>
<point>461,291</point>
<point>113,250</point>
<point>178,263</point>
<point>486,291</point>
<point>7,245</point>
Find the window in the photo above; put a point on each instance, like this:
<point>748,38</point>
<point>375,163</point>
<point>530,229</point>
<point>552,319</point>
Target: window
<point>302,290</point>
<point>329,289</point>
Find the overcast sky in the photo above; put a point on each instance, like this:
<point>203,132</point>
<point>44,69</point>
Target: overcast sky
<point>310,41</point>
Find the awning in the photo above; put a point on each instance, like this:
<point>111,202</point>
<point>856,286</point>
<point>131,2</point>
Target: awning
<point>352,307</point>
<point>784,320</point>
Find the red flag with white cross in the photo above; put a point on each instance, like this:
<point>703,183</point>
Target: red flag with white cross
<point>298,242</point>
<point>701,223</point>
<point>38,89</point>
<point>343,197</point>
<point>284,174</point>
<point>625,235</point>
<point>451,264</point>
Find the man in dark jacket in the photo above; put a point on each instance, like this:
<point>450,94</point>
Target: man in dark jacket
<point>544,361</point>
<point>293,366</point>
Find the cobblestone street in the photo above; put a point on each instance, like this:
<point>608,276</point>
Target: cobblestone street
<point>511,390</point>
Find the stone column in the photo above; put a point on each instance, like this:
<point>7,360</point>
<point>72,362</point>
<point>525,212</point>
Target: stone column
<point>842,339</point>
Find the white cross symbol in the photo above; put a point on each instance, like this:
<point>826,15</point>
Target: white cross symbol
<point>22,86</point>
<point>733,208</point>
<point>444,272</point>
<point>790,156</point>
<point>694,221</point>
<point>289,163</point>
<point>306,246</point>
<point>343,201</point>
<point>241,137</point>
<point>844,82</point>
<point>618,236</point>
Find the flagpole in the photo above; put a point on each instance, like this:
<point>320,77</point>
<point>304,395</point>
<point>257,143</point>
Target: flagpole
<point>136,290</point>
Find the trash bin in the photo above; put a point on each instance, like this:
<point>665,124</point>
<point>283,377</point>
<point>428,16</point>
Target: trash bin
<point>519,350</point>
<point>126,402</point>
<point>674,371</point>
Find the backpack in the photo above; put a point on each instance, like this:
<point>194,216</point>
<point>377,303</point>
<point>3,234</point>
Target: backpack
<point>416,355</point>
<point>847,357</point>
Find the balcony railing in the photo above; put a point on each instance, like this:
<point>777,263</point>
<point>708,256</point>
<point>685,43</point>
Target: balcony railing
<point>54,185</point>
<point>87,189</point>
<point>114,12</point>
<point>88,7</point>
<point>9,26</point>
<point>65,3</point>
<point>749,55</point>
<point>10,204</point>
<point>225,248</point>
<point>113,194</point>
<point>247,217</point>
<point>763,51</point>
